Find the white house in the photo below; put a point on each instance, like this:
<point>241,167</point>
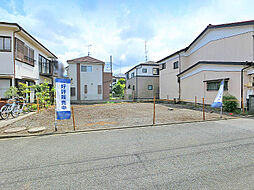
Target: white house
<point>142,81</point>
<point>86,74</point>
<point>22,58</point>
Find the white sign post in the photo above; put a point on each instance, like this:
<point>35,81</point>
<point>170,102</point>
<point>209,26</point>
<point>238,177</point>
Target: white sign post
<point>63,106</point>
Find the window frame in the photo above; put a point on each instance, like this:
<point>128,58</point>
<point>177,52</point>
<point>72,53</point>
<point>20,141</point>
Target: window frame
<point>85,89</point>
<point>163,66</point>
<point>73,91</point>
<point>86,70</point>
<point>45,66</point>
<point>99,89</point>
<point>20,52</point>
<point>176,65</point>
<point>144,70</point>
<point>6,50</point>
<point>150,86</point>
<point>217,83</point>
<point>157,71</point>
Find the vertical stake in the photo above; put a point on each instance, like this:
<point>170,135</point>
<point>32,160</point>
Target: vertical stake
<point>242,106</point>
<point>195,101</point>
<point>153,110</point>
<point>221,111</point>
<point>73,118</point>
<point>203,108</point>
<point>38,107</point>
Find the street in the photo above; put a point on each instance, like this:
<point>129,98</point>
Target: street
<point>201,155</point>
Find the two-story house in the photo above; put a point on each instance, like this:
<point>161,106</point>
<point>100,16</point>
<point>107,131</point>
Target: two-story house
<point>219,53</point>
<point>142,81</point>
<point>87,79</point>
<point>23,58</point>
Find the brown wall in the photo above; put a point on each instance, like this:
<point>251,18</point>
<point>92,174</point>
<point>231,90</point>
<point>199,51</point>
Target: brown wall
<point>107,80</point>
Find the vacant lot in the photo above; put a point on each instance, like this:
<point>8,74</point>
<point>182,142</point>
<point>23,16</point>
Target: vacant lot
<point>112,115</point>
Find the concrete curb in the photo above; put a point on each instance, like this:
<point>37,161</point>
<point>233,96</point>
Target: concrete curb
<point>109,129</point>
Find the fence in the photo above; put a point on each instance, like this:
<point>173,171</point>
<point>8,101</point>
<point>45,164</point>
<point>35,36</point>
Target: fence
<point>148,112</point>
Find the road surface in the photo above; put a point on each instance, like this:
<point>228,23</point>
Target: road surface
<point>208,155</point>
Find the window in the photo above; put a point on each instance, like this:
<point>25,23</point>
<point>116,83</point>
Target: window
<point>23,52</point>
<point>45,66</point>
<point>5,43</point>
<point>127,76</point>
<point>132,75</point>
<point>163,66</point>
<point>133,87</point>
<point>175,65</point>
<point>86,68</point>
<point>129,87</point>
<point>73,91</point>
<point>215,85</point>
<point>150,87</point>
<point>144,70</point>
<point>85,89</point>
<point>99,89</point>
<point>155,71</point>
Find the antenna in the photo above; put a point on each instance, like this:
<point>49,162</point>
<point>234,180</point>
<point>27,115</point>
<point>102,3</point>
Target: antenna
<point>146,51</point>
<point>88,49</point>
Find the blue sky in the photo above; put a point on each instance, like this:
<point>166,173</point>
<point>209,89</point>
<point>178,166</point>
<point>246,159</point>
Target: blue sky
<point>120,28</point>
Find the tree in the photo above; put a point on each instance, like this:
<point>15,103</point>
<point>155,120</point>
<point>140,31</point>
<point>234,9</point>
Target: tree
<point>118,88</point>
<point>11,92</point>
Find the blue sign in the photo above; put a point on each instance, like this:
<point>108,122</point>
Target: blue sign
<point>63,106</point>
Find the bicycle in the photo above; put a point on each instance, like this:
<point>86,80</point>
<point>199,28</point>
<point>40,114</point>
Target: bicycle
<point>13,107</point>
<point>9,108</point>
<point>25,107</point>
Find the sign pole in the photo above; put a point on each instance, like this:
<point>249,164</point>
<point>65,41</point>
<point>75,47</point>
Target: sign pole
<point>154,110</point>
<point>221,111</point>
<point>55,107</point>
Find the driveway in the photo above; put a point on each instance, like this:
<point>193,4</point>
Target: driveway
<point>209,155</point>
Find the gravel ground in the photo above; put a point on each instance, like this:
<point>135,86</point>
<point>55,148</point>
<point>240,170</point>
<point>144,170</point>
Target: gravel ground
<point>111,115</point>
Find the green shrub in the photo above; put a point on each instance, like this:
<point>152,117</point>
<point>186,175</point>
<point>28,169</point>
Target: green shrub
<point>34,106</point>
<point>230,103</point>
<point>11,92</point>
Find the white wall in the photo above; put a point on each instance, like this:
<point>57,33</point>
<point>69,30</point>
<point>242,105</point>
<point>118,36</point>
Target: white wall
<point>6,57</point>
<point>72,73</point>
<point>92,80</point>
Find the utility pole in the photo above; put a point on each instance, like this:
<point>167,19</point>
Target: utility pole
<point>88,48</point>
<point>146,52</point>
<point>111,69</point>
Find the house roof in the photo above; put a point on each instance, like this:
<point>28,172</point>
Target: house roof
<point>210,26</point>
<point>22,29</point>
<point>148,63</point>
<point>87,59</point>
<point>213,63</point>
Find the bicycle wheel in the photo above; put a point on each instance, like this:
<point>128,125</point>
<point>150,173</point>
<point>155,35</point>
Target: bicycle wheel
<point>4,112</point>
<point>15,112</point>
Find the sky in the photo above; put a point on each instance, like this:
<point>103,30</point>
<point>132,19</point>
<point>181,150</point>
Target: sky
<point>120,28</point>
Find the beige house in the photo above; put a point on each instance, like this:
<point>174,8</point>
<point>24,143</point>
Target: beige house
<point>219,52</point>
<point>87,79</point>
<point>23,58</point>
<point>142,81</point>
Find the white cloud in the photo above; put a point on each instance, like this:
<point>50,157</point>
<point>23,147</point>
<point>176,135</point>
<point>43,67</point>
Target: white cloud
<point>66,28</point>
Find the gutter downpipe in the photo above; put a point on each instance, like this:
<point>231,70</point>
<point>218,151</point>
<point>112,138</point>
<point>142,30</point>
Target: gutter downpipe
<point>14,57</point>
<point>179,80</point>
<point>249,65</point>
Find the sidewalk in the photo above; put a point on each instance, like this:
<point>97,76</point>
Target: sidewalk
<point>4,123</point>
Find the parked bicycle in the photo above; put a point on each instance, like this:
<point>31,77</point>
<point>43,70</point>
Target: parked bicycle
<point>14,107</point>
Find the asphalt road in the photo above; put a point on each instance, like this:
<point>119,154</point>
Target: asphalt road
<point>210,155</point>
